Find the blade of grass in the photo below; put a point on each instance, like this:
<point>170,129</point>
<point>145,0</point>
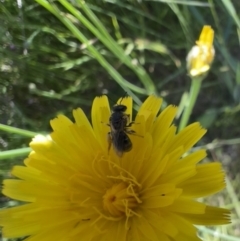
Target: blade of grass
<point>61,96</point>
<point>15,130</point>
<point>224,237</point>
<point>127,21</point>
<point>15,153</point>
<point>193,94</point>
<point>127,86</point>
<point>190,3</point>
<point>181,17</point>
<point>232,11</point>
<point>134,10</point>
<point>221,35</point>
<point>102,34</point>
<point>232,194</point>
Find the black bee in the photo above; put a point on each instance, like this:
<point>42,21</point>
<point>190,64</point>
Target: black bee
<point>119,125</point>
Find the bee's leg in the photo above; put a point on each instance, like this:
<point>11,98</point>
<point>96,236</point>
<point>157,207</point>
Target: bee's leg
<point>130,124</point>
<point>132,132</point>
<point>127,118</point>
<point>105,123</point>
<point>129,131</point>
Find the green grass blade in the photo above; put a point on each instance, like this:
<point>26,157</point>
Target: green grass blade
<point>18,131</point>
<point>232,11</point>
<point>15,153</point>
<point>127,86</point>
<point>101,32</point>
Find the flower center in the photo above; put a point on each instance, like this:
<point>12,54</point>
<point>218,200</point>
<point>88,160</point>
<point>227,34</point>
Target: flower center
<point>121,199</point>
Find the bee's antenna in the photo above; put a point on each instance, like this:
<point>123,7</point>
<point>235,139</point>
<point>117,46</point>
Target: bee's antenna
<point>124,96</point>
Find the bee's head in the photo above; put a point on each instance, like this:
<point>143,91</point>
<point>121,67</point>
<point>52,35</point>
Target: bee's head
<point>119,108</point>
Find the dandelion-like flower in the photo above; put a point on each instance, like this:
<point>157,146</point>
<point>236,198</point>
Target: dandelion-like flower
<point>201,55</point>
<point>75,188</point>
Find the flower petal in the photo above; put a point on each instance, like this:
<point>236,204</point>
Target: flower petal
<point>186,205</point>
<point>209,180</point>
<point>81,119</point>
<point>187,137</point>
<point>181,224</point>
<point>211,216</point>
<point>100,120</point>
<point>149,110</point>
<point>127,101</point>
<point>78,187</point>
<point>162,124</point>
<point>160,223</point>
<point>146,229</point>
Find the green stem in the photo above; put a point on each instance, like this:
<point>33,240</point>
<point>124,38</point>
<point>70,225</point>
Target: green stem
<point>17,130</point>
<point>221,236</point>
<point>14,153</point>
<point>126,85</point>
<point>101,32</point>
<point>194,91</point>
<point>233,195</point>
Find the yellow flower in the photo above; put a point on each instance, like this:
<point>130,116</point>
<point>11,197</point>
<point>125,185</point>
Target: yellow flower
<point>201,55</point>
<point>77,189</point>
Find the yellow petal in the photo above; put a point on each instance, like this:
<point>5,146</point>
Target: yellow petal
<point>186,205</point>
<point>146,229</point>
<point>100,120</point>
<point>209,180</point>
<point>162,123</point>
<point>187,137</point>
<point>149,110</point>
<point>81,119</point>
<point>127,101</point>
<point>206,36</point>
<point>181,224</point>
<point>160,223</point>
<point>212,216</point>
<point>19,190</point>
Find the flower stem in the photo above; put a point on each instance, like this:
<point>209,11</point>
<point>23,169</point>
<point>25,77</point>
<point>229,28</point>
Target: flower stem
<point>194,90</point>
<point>94,24</point>
<point>125,84</point>
<point>14,153</point>
<point>17,130</point>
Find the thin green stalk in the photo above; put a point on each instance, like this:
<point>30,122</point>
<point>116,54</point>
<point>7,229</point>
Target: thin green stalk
<point>127,86</point>
<point>233,195</point>
<point>233,12</point>
<point>194,91</point>
<point>225,237</point>
<point>14,153</point>
<point>115,48</point>
<point>15,130</point>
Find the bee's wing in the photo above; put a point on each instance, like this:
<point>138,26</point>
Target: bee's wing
<point>121,142</point>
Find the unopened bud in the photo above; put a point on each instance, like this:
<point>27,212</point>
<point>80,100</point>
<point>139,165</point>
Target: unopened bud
<point>201,55</point>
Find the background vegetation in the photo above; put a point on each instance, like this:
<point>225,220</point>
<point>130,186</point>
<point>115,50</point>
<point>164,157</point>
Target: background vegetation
<point>53,60</point>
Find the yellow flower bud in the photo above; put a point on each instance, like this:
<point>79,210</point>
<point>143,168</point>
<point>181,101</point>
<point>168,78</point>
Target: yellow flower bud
<point>201,55</point>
